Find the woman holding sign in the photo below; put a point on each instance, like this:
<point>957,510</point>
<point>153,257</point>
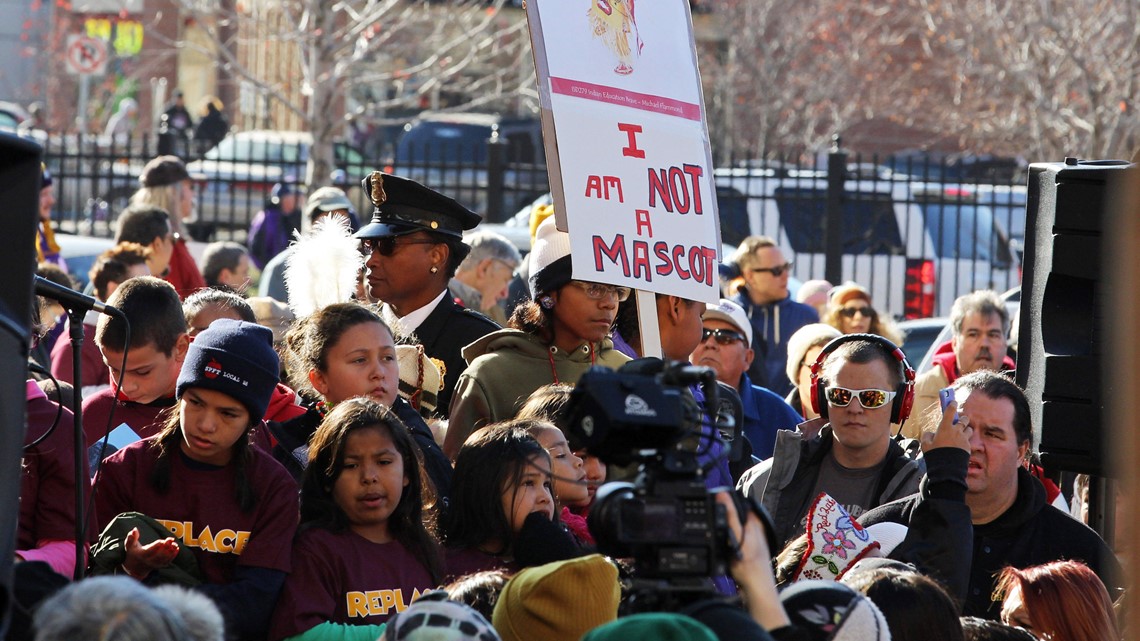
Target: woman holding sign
<point>555,337</point>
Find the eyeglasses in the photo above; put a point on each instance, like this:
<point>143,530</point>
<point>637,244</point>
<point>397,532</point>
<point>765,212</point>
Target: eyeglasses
<point>386,245</point>
<point>598,291</point>
<point>723,336</point>
<point>849,312</point>
<point>869,398</point>
<point>776,271</point>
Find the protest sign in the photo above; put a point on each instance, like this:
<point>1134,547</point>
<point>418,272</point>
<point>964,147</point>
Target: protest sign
<point>628,150</point>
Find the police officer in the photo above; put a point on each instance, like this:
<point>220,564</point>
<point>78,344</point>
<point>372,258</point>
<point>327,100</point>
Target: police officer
<point>412,248</point>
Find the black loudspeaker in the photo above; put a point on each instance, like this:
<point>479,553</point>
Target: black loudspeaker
<point>1062,308</point>
<point>20,192</point>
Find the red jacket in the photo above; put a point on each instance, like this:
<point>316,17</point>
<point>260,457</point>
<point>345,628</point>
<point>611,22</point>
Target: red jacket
<point>184,273</point>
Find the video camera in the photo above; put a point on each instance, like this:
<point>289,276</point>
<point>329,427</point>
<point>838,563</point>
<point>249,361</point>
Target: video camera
<point>666,520</point>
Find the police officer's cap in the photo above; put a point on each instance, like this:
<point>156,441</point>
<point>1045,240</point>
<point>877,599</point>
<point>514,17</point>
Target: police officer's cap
<point>403,206</point>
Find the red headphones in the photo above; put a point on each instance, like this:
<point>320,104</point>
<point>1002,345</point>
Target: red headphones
<point>904,393</point>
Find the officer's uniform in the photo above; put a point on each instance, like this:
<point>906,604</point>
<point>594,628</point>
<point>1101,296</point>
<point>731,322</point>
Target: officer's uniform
<point>403,207</point>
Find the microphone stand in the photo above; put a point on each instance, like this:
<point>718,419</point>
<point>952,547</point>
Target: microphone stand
<point>75,316</point>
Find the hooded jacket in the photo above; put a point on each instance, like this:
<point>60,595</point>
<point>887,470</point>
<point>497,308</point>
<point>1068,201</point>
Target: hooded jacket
<point>505,367</point>
<point>1029,533</point>
<point>784,483</point>
<point>772,325</point>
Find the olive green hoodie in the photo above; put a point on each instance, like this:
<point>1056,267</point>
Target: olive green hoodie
<point>504,368</point>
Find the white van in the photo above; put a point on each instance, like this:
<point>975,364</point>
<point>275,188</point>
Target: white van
<point>916,246</point>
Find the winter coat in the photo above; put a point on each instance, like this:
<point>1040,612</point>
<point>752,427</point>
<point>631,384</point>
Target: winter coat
<point>505,367</point>
<point>1030,532</point>
<point>784,483</point>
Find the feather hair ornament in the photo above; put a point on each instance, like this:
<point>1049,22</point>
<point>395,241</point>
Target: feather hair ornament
<point>323,266</point>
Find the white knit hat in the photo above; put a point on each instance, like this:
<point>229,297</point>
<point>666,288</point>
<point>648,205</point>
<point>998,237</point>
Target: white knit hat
<point>549,259</point>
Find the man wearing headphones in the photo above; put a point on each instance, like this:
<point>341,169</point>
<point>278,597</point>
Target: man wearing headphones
<point>861,384</point>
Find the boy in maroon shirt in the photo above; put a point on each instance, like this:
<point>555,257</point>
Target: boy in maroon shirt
<point>158,342</point>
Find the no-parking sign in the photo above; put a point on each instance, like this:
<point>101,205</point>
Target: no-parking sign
<point>86,56</point>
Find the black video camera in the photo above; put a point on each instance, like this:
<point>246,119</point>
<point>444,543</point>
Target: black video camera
<point>666,520</point>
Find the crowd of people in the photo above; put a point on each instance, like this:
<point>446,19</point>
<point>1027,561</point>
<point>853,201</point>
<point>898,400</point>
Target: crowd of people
<point>379,444</point>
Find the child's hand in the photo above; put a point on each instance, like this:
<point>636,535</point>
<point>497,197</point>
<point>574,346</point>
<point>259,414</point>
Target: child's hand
<point>949,433</point>
<point>142,559</point>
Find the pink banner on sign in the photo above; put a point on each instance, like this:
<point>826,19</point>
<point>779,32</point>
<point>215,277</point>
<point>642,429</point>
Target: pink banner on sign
<point>643,101</point>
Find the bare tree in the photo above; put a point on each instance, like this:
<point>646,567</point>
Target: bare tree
<point>1043,78</point>
<point>408,51</point>
<point>787,77</point>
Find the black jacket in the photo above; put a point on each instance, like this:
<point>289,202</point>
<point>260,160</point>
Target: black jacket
<point>444,333</point>
<point>1031,532</point>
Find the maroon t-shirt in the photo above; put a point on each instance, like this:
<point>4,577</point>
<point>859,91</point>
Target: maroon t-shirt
<point>143,419</point>
<point>94,370</point>
<point>341,577</point>
<point>201,510</point>
<point>47,477</point>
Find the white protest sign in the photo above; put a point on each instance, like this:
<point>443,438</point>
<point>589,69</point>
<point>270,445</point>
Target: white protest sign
<point>630,164</point>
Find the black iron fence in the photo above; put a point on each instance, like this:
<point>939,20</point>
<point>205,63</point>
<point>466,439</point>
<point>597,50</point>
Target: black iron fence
<point>917,231</point>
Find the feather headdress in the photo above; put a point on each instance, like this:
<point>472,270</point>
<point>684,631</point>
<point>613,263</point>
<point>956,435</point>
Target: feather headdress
<point>323,266</point>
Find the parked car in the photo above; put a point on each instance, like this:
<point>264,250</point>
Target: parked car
<point>236,176</point>
<point>450,152</point>
<point>918,335</point>
<point>916,246</point>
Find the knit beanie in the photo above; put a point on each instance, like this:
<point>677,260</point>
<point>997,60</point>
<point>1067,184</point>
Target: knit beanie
<point>558,601</point>
<point>802,340</point>
<point>830,611</point>
<point>432,617</point>
<point>654,626</point>
<point>549,259</point>
<point>235,358</point>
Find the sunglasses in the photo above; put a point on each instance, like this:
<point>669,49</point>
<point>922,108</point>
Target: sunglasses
<point>849,312</point>
<point>869,398</point>
<point>598,291</point>
<point>386,245</point>
<point>723,336</point>
<point>776,271</point>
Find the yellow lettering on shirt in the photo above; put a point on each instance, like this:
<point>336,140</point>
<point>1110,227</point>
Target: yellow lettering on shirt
<point>387,600</point>
<point>377,602</point>
<point>206,540</point>
<point>226,541</point>
<point>242,539</point>
<point>357,604</point>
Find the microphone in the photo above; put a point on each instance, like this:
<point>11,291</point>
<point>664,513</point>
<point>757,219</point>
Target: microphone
<point>73,299</point>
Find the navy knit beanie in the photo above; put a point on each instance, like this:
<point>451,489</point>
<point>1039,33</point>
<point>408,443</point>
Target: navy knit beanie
<point>235,358</point>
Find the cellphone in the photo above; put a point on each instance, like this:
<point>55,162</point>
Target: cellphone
<point>945,395</point>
